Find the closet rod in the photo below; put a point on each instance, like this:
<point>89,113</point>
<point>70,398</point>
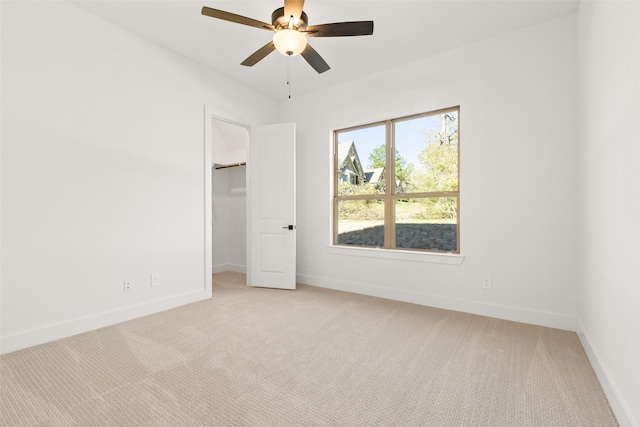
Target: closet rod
<point>231,166</point>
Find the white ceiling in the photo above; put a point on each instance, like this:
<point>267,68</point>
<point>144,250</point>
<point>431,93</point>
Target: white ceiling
<point>404,31</point>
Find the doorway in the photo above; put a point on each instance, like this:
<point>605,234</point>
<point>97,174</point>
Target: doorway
<point>229,143</point>
<point>250,201</point>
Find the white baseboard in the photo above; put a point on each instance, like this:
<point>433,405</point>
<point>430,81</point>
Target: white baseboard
<point>57,331</point>
<point>516,314</point>
<point>229,267</point>
<point>617,402</point>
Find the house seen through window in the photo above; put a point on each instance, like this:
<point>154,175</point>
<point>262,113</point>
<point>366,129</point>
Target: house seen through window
<point>396,183</point>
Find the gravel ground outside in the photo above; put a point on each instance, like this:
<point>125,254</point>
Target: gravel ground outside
<point>441,237</point>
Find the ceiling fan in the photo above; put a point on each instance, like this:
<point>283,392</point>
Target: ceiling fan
<point>291,31</point>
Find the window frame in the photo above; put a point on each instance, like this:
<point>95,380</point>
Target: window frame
<point>390,195</point>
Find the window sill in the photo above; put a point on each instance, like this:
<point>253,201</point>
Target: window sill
<point>431,257</point>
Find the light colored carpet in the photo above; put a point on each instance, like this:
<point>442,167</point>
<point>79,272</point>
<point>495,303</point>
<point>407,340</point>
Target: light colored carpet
<point>311,357</point>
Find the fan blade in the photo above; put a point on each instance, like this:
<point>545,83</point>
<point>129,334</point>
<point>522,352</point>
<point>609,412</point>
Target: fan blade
<point>341,29</point>
<point>293,7</point>
<point>238,19</point>
<point>259,54</point>
<point>314,59</point>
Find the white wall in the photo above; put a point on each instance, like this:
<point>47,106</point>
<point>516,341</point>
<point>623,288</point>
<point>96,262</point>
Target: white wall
<point>220,219</point>
<point>229,143</point>
<point>229,220</point>
<point>609,210</point>
<point>517,95</point>
<point>237,244</point>
<point>103,173</point>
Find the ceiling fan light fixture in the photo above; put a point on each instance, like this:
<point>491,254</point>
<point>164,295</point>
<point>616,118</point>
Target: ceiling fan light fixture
<point>289,42</point>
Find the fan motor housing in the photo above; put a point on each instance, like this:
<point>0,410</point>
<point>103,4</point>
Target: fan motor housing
<point>280,21</point>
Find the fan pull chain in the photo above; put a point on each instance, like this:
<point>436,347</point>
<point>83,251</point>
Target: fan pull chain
<point>289,74</point>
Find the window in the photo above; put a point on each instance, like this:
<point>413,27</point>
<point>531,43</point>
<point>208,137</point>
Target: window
<point>396,183</point>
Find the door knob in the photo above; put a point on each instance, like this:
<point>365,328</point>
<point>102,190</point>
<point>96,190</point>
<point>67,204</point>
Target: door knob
<point>288,227</point>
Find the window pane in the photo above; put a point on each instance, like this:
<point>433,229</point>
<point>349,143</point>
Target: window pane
<point>361,161</point>
<point>361,222</point>
<point>427,223</point>
<point>426,157</point>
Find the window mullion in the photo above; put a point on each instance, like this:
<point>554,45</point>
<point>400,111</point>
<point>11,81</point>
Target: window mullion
<point>429,194</point>
<point>361,197</point>
<point>389,217</point>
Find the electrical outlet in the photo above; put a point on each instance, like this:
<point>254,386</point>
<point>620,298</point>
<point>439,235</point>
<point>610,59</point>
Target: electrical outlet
<point>127,285</point>
<point>153,281</point>
<point>486,282</point>
<point>309,263</point>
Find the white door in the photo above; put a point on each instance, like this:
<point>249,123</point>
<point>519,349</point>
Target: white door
<point>272,206</point>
